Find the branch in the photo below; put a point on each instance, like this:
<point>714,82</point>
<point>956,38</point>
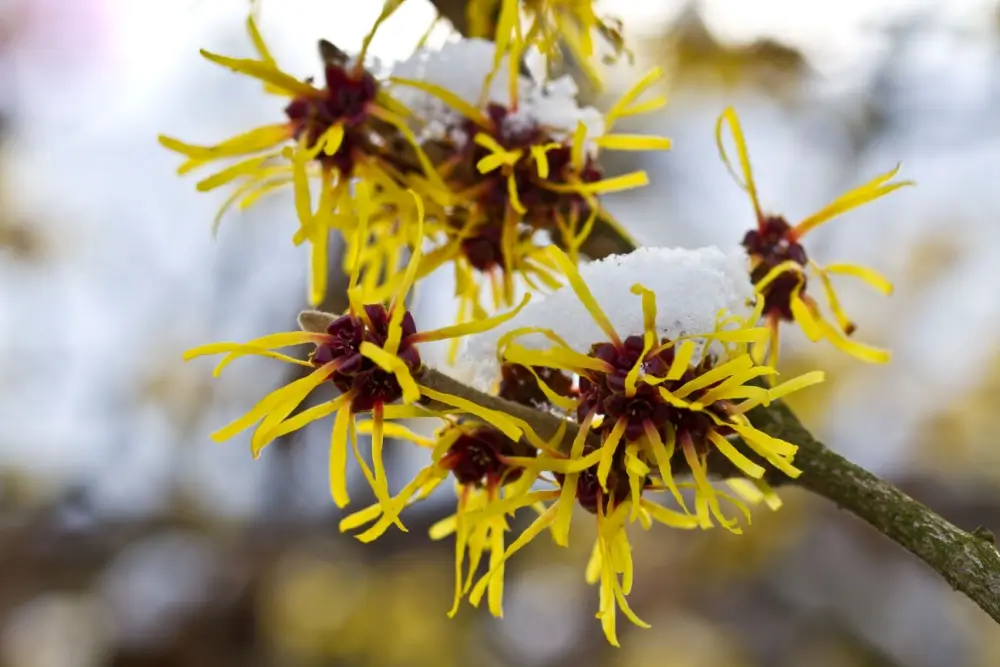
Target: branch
<point>546,425</point>
<point>969,562</point>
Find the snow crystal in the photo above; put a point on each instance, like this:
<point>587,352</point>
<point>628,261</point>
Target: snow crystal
<point>691,287</point>
<point>461,67</point>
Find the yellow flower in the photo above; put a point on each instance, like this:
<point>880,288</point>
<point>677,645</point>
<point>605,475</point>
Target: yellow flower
<point>576,481</point>
<point>334,133</point>
<point>551,24</point>
<point>518,176</point>
<point>370,356</point>
<point>479,457</point>
<point>646,406</point>
<point>666,402</point>
<point>780,266</point>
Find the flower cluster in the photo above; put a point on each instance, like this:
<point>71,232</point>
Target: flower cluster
<point>522,158</point>
<point>624,385</point>
<point>496,155</point>
<point>648,401</point>
<point>370,355</point>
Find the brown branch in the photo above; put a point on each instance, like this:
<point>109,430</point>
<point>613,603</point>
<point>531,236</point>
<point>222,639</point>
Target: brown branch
<point>969,562</point>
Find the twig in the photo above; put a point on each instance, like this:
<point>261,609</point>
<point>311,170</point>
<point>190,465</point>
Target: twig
<point>969,562</point>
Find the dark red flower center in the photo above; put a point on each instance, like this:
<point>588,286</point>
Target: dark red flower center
<point>521,133</point>
<point>769,246</point>
<point>484,250</point>
<point>605,393</point>
<point>355,373</point>
<point>477,457</point>
<point>346,99</point>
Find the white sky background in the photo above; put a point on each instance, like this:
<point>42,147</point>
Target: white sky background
<point>137,278</point>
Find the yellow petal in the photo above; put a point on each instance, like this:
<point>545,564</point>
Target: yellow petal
<point>748,467</point>
<point>498,419</point>
<point>308,416</point>
<point>806,319</point>
<point>556,358</point>
<point>241,168</point>
<point>634,142</point>
<point>583,292</point>
<point>865,274</point>
<point>443,528</point>
<point>608,448</point>
<point>264,72</point>
<point>866,353</point>
<point>393,364</point>
<point>654,103</point>
<point>296,392</point>
<point>446,96</point>
<point>630,96</point>
<point>252,141</point>
<point>359,518</point>
<point>270,341</point>
<point>473,327</point>
<point>669,517</point>
<point>236,351</point>
<point>747,183</point>
<point>873,189</point>
<point>635,179</point>
<point>398,306</point>
<point>338,458</point>
<point>579,144</point>
<point>721,372</point>
<point>530,533</point>
<point>389,7</point>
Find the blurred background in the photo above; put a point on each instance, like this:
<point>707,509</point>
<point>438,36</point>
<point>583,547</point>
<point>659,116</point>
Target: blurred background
<point>128,538</point>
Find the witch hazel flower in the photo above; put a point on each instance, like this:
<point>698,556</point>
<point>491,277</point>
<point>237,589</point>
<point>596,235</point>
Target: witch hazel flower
<point>488,469</point>
<point>370,356</point>
<point>520,157</point>
<point>657,344</point>
<point>781,268</point>
<point>335,131</point>
<point>484,463</point>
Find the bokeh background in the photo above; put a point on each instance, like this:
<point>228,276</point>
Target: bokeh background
<point>128,538</point>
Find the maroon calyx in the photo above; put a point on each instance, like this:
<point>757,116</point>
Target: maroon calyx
<point>355,373</point>
<point>605,394</point>
<point>484,249</point>
<point>769,246</point>
<point>541,203</point>
<point>346,99</point>
<point>477,457</point>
